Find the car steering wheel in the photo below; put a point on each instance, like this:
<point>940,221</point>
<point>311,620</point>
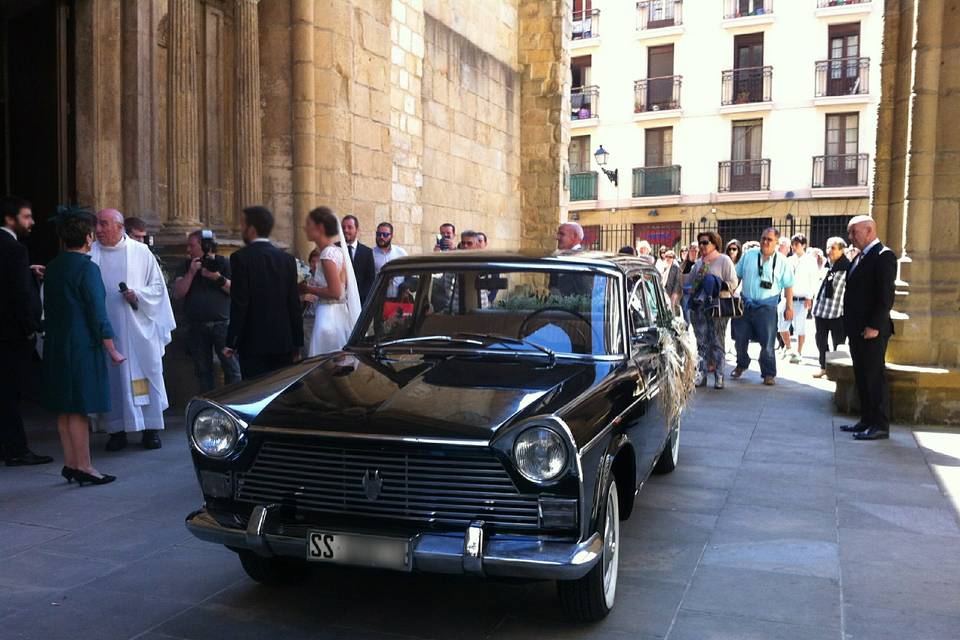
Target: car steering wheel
<point>584,340</point>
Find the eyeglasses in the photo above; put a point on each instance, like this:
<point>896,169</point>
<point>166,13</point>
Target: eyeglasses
<point>766,239</point>
<point>383,234</point>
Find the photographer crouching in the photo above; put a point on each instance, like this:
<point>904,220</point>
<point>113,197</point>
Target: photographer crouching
<point>203,283</point>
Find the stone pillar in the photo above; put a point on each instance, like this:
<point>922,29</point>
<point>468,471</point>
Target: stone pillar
<point>182,116</point>
<point>545,27</point>
<point>139,112</point>
<point>304,123</point>
<point>249,147</point>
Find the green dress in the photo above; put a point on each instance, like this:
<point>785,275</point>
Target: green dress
<point>75,323</point>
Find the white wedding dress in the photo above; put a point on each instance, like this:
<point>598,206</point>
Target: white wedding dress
<point>334,318</point>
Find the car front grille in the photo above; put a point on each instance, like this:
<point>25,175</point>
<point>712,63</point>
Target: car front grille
<point>415,487</point>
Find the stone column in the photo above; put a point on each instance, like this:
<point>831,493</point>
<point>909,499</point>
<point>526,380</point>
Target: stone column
<point>304,123</point>
<point>182,117</point>
<point>545,28</point>
<point>249,147</point>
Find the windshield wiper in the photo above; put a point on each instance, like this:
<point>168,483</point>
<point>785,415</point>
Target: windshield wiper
<point>378,348</point>
<point>550,353</point>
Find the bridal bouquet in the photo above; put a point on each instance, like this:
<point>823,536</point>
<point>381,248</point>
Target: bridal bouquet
<point>303,271</point>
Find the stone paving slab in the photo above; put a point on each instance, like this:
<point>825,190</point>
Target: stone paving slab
<point>775,525</point>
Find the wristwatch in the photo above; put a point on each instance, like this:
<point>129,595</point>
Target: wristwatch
<point>221,281</point>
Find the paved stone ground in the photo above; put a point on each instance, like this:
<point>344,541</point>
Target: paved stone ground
<point>774,526</point>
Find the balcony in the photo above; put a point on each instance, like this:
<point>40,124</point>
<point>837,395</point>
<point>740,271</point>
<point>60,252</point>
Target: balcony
<point>586,29</point>
<point>746,89</point>
<point>656,181</point>
<point>842,8</point>
<point>747,13</point>
<point>583,106</point>
<point>744,175</point>
<point>842,81</point>
<point>841,171</point>
<point>659,19</point>
<point>583,186</point>
<point>655,98</point>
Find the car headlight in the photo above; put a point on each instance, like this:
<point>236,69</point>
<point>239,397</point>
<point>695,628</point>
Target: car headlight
<point>540,453</point>
<point>215,433</point>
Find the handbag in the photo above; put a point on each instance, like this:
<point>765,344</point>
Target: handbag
<point>727,306</point>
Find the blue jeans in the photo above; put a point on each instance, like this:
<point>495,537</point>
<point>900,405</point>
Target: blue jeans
<point>759,323</point>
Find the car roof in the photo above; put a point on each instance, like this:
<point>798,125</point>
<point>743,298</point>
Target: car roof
<point>532,256</point>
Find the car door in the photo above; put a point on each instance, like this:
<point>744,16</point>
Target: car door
<point>644,351</point>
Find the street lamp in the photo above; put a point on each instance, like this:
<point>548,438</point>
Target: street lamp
<point>601,157</point>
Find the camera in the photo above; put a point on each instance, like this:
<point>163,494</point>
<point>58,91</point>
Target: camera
<point>210,264</point>
<point>440,243</point>
<point>766,285</point>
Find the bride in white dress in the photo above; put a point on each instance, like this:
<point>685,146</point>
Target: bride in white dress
<point>338,301</point>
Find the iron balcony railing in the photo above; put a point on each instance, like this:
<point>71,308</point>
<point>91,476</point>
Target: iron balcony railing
<point>744,8</point>
<point>586,24</point>
<point>583,186</point>
<point>655,14</point>
<point>656,94</point>
<point>842,77</point>
<point>746,85</point>
<point>744,175</point>
<point>583,102</point>
<point>848,170</point>
<point>822,4</point>
<point>656,181</point>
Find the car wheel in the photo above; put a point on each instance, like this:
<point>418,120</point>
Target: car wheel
<point>671,453</point>
<point>272,571</point>
<point>591,597</point>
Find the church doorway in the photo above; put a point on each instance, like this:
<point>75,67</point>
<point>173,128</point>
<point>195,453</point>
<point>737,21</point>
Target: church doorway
<point>37,156</point>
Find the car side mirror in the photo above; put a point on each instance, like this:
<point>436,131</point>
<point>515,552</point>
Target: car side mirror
<point>646,337</point>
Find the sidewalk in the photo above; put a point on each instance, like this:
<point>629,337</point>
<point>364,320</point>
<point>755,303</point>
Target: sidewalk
<point>775,525</point>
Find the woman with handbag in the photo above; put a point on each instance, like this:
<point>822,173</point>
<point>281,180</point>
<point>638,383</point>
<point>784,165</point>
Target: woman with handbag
<point>712,279</point>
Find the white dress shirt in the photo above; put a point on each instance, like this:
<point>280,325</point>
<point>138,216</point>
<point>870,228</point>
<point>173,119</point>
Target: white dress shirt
<point>380,258</point>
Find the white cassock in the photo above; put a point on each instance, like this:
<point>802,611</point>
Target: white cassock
<point>138,396</point>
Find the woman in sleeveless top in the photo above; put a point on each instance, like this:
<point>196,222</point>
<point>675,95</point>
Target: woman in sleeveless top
<point>338,303</point>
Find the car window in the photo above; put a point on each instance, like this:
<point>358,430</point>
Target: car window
<point>652,290</point>
<point>639,309</point>
<point>570,312</point>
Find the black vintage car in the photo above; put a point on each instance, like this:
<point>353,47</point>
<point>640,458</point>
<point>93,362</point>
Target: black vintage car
<point>492,414</point>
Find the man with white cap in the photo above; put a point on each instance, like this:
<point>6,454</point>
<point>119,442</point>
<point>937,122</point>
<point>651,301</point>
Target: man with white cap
<point>867,301</point>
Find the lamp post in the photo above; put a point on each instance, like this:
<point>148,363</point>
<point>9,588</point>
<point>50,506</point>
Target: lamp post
<point>600,155</point>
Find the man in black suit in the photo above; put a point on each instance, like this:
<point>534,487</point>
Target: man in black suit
<point>20,311</point>
<point>361,255</point>
<point>867,301</point>
<point>266,323</point>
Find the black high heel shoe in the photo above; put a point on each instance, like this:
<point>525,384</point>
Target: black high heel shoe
<point>68,474</point>
<point>82,477</point>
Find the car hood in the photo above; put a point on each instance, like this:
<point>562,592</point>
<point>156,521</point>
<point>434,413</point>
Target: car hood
<point>450,397</point>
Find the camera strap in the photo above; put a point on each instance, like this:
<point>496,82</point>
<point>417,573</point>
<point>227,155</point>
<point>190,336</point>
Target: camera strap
<point>773,273</point>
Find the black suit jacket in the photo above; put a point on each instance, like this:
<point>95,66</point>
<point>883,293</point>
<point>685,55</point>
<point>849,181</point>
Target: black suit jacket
<point>265,314</point>
<point>364,269</point>
<point>20,307</point>
<point>868,298</point>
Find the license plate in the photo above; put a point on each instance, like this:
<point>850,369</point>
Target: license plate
<point>357,549</point>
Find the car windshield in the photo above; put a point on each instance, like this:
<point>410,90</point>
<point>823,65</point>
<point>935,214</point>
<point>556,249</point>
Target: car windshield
<point>544,312</point>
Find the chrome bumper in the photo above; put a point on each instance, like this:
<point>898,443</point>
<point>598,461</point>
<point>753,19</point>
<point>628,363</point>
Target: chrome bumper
<point>468,553</point>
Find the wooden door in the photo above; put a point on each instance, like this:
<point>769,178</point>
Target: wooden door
<point>842,147</point>
<point>844,65</point>
<point>748,67</point>
<point>660,77</point>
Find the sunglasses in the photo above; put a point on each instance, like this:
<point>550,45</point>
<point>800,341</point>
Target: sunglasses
<point>704,243</point>
<point>383,234</point>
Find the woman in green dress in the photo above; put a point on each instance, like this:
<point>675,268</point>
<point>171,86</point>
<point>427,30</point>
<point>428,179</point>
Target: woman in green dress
<point>77,333</point>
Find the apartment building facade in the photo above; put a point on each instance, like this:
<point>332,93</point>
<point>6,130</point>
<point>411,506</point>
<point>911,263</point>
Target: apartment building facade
<point>722,114</point>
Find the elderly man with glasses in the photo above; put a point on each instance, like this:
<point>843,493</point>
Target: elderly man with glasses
<point>765,278</point>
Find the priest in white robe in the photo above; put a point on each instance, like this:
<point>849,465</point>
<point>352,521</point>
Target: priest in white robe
<point>139,310</point>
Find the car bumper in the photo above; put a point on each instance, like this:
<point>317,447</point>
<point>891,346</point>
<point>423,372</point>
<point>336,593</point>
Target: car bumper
<point>467,553</point>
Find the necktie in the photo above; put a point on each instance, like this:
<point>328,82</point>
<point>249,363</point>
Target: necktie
<point>350,246</point>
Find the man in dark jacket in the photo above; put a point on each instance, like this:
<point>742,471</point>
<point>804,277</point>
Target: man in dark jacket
<point>867,301</point>
<point>19,322</point>
<point>266,324</point>
<point>361,255</point>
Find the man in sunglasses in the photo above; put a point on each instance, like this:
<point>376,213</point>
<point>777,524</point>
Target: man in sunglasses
<point>765,278</point>
<point>384,252</point>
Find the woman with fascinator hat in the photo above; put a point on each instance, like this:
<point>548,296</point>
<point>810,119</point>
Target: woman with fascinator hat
<point>77,345</point>
<point>338,299</point>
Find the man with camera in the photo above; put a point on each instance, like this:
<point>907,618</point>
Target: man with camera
<point>765,277</point>
<point>203,283</point>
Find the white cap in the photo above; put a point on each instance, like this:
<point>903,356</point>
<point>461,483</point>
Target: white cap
<point>858,219</point>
